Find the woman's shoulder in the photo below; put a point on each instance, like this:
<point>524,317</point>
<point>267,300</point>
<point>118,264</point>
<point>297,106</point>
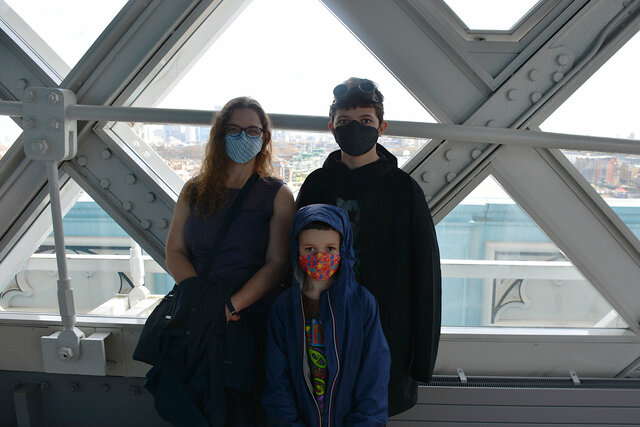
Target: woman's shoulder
<point>272,182</point>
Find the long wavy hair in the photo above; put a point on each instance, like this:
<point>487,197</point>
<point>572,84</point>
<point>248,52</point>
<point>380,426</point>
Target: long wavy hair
<point>206,191</point>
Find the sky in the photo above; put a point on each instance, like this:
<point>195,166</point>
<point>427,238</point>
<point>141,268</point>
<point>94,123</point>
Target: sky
<point>289,54</point>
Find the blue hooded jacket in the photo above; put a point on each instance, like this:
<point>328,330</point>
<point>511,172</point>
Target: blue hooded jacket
<point>357,353</point>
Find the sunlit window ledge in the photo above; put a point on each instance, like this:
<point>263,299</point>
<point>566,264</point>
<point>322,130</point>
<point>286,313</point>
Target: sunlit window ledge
<point>454,333</point>
<point>449,333</point>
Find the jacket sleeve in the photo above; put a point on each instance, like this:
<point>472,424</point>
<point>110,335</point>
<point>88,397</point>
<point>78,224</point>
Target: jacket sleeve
<point>426,287</point>
<point>304,194</point>
<point>279,396</point>
<point>370,404</point>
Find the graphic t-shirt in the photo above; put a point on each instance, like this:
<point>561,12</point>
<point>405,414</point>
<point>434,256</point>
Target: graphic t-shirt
<point>315,349</point>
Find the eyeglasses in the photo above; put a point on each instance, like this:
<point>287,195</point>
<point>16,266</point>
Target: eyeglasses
<point>365,90</point>
<point>251,130</point>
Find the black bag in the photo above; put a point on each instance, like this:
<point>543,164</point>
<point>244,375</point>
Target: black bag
<point>178,300</point>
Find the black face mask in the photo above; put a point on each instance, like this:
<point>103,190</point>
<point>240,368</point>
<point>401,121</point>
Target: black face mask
<point>354,138</point>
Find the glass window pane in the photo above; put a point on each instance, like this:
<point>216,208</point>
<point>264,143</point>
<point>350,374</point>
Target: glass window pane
<point>500,269</point>
<point>606,105</point>
<point>290,65</point>
<point>68,27</point>
<point>491,14</point>
<point>9,132</point>
<point>105,265</point>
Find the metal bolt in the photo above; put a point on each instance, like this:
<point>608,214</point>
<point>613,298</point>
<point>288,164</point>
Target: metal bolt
<point>428,198</point>
<point>105,387</point>
<point>29,96</point>
<point>450,154</point>
<point>426,176</point>
<point>106,154</point>
<point>491,124</point>
<point>475,153</point>
<point>81,161</point>
<point>534,74</point>
<point>131,179</point>
<point>557,76</point>
<point>146,224</point>
<point>105,183</point>
<point>513,94</point>
<point>29,122</point>
<point>127,206</point>
<point>54,97</point>
<point>134,390</point>
<point>40,146</point>
<point>16,384</point>
<point>44,385</point>
<point>450,176</point>
<point>21,84</point>
<point>74,386</point>
<point>535,97</point>
<point>163,223</point>
<point>65,353</point>
<point>150,197</point>
<point>54,124</point>
<point>562,59</point>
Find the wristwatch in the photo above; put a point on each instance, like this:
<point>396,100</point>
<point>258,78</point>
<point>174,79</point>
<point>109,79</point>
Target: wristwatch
<point>230,306</point>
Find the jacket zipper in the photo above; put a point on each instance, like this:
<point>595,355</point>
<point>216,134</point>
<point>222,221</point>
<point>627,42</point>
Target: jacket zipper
<point>335,347</point>
<point>304,360</point>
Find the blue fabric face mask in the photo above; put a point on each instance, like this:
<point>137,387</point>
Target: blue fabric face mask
<point>241,147</point>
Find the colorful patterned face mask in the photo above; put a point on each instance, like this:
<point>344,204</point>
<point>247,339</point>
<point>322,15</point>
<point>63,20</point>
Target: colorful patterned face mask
<point>319,265</point>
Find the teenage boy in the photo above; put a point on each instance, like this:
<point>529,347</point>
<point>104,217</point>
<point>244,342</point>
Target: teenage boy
<point>395,245</point>
<point>327,360</point>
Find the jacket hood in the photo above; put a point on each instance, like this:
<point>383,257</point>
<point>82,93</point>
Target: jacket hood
<point>335,217</point>
<point>386,159</point>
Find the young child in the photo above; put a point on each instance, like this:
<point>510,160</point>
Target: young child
<point>395,243</point>
<point>327,360</point>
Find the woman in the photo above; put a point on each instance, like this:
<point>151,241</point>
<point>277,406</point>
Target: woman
<point>254,257</point>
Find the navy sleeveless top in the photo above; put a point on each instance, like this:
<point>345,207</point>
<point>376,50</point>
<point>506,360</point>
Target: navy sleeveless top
<point>243,252</point>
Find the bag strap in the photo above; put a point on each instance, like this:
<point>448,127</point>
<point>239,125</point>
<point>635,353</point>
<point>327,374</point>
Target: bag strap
<point>226,222</point>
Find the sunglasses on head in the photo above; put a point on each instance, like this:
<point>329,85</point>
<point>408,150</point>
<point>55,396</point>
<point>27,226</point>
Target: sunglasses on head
<point>365,90</point>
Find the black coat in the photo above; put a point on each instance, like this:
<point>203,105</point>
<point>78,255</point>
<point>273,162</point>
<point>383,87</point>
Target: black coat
<point>400,261</point>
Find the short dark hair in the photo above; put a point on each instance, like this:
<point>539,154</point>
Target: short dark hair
<point>353,101</point>
<point>318,225</point>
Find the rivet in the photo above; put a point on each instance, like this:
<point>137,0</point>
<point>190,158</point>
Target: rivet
<point>44,385</point>
<point>131,179</point>
<point>535,97</point>
<point>428,198</point>
<point>74,386</point>
<point>146,224</point>
<point>105,183</point>
<point>426,176</point>
<point>475,153</point>
<point>562,59</point>
<point>127,206</point>
<point>534,74</point>
<point>163,223</point>
<point>54,97</point>
<point>134,390</point>
<point>150,197</point>
<point>450,154</point>
<point>29,122</point>
<point>491,124</point>
<point>106,154</point>
<point>557,76</point>
<point>81,161</point>
<point>512,94</point>
<point>105,387</point>
<point>54,124</point>
<point>40,146</point>
<point>29,96</point>
<point>16,384</point>
<point>450,176</point>
<point>21,84</point>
